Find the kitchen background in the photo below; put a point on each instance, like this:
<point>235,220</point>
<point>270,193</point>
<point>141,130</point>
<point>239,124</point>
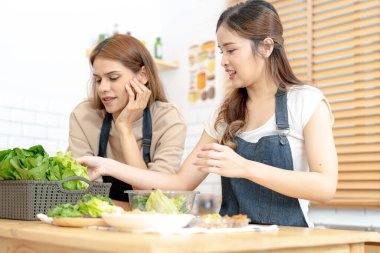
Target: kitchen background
<point>44,72</point>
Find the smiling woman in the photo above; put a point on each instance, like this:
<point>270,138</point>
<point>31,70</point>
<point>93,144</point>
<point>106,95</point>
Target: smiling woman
<point>262,139</point>
<point>127,116</point>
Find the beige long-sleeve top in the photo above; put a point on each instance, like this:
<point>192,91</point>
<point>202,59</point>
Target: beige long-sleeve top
<point>168,135</point>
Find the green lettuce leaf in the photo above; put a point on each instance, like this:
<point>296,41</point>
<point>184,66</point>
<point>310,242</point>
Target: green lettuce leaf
<point>35,164</point>
<point>65,210</point>
<point>160,203</point>
<point>139,202</point>
<point>88,206</point>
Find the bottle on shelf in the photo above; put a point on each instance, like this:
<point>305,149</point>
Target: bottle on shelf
<point>158,48</point>
<point>115,29</point>
<point>101,37</point>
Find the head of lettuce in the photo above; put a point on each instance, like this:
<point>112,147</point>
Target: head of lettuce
<point>35,164</point>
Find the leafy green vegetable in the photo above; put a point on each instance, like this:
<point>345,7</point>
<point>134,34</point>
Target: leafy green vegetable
<point>4,153</point>
<point>18,163</point>
<point>88,206</point>
<point>95,206</point>
<point>180,203</point>
<point>160,203</point>
<point>65,210</point>
<point>35,164</point>
<point>139,202</point>
<point>65,166</point>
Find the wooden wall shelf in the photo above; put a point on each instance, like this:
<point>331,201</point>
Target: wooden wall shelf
<point>163,65</point>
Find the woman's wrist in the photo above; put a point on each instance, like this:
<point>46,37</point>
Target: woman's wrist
<point>250,170</point>
<point>105,168</point>
<point>124,127</point>
<point>125,130</point>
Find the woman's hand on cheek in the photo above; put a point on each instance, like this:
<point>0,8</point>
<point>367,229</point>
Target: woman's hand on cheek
<point>222,160</point>
<point>142,94</point>
<point>95,166</point>
<point>138,98</point>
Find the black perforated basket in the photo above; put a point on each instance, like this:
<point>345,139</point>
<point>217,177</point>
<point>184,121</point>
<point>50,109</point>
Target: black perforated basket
<point>24,199</point>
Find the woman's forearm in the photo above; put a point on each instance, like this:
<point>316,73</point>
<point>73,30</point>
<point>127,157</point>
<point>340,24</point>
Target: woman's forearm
<point>131,152</point>
<point>304,185</point>
<point>145,179</point>
<point>187,178</point>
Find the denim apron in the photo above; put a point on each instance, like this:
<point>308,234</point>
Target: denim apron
<point>118,187</point>
<point>262,205</point>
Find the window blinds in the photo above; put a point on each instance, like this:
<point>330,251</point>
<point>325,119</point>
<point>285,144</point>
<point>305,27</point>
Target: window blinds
<point>335,45</point>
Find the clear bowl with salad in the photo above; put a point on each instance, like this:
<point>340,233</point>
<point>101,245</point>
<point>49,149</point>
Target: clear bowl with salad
<point>160,201</point>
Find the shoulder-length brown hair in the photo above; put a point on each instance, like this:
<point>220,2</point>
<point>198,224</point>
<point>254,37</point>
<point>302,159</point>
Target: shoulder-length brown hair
<point>254,20</point>
<point>133,55</point>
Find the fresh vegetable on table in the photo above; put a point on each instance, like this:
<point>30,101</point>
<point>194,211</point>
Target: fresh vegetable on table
<point>139,202</point>
<point>89,206</point>
<point>65,210</point>
<point>160,203</point>
<point>35,164</point>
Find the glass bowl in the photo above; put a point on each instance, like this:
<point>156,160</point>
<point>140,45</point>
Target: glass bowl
<point>157,201</point>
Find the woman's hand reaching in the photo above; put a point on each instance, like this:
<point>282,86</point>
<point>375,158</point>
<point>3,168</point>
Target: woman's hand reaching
<point>222,160</point>
<point>95,164</point>
<point>138,98</point>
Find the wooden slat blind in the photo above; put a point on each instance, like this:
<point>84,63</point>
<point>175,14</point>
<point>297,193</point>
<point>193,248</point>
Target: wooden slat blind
<point>339,52</point>
<point>293,15</point>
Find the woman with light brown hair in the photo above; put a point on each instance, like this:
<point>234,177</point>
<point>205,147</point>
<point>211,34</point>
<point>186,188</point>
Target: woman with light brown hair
<point>127,116</point>
<point>271,139</point>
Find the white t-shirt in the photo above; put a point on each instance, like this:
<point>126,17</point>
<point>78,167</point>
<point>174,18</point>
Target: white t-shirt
<point>302,101</point>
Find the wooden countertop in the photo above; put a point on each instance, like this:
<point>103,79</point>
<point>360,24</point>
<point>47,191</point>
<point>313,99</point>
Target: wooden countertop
<point>34,236</point>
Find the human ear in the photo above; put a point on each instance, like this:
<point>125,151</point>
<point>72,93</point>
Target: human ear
<point>142,75</point>
<point>267,47</point>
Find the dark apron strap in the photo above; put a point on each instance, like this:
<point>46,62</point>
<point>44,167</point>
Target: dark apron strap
<point>118,187</point>
<point>147,135</point>
<point>281,111</point>
<point>104,135</point>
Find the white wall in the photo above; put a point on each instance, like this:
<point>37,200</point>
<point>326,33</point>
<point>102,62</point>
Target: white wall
<point>194,24</point>
<point>44,70</point>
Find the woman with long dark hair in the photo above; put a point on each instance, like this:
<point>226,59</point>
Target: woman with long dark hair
<point>271,139</point>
